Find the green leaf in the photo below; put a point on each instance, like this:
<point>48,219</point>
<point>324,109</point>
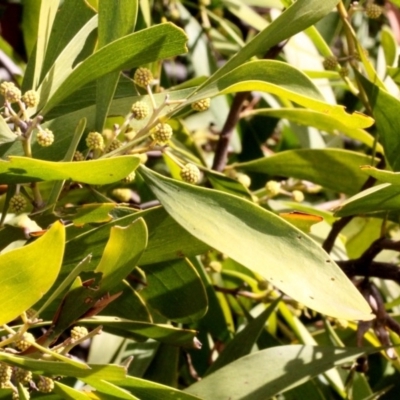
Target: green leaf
<point>48,10</point>
<point>381,175</point>
<point>30,22</point>
<point>384,197</point>
<point>283,80</point>
<point>147,390</point>
<point>114,23</point>
<point>117,262</point>
<point>244,341</point>
<point>69,393</point>
<point>299,16</point>
<point>110,389</point>
<point>385,109</point>
<point>88,213</point>
<point>93,172</point>
<point>27,275</point>
<point>145,330</point>
<point>315,165</point>
<point>175,290</point>
<point>6,134</point>
<point>98,371</point>
<point>389,45</point>
<point>320,121</point>
<point>262,242</point>
<point>151,44</point>
<point>266,373</point>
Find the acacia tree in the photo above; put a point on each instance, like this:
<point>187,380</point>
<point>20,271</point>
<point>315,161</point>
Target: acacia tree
<point>200,209</point>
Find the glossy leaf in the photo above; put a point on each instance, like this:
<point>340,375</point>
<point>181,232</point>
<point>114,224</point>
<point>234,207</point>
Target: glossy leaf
<point>27,275</point>
<point>145,330</point>
<point>94,172</point>
<point>266,373</point>
<point>175,290</point>
<point>151,44</point>
<point>315,165</point>
<point>263,242</point>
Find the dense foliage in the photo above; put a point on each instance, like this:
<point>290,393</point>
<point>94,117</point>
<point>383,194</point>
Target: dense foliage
<point>200,200</point>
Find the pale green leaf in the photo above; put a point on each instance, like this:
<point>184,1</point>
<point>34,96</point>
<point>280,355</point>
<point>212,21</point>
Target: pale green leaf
<point>263,242</point>
<point>266,373</point>
<point>381,175</point>
<point>26,275</point>
<point>94,172</point>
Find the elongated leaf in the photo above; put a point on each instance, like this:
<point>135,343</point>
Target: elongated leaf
<point>161,332</point>
<point>281,79</point>
<point>381,175</point>
<point>385,197</point>
<point>147,390</point>
<point>319,120</point>
<point>264,243</point>
<point>109,389</point>
<point>147,45</point>
<point>98,371</point>
<point>385,109</point>
<point>299,16</point>
<point>114,23</point>
<point>315,165</point>
<point>69,393</point>
<point>244,341</point>
<point>95,172</point>
<point>176,291</point>
<point>26,275</point>
<point>266,373</point>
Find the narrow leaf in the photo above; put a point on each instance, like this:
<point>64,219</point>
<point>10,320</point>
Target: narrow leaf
<point>264,243</point>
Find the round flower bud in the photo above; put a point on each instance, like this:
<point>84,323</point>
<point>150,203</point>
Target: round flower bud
<point>78,332</point>
<point>143,77</point>
<point>10,92</point>
<point>45,137</point>
<point>26,341</point>
<point>5,375</point>
<point>243,179</point>
<point>272,188</point>
<point>114,145</point>
<point>373,11</point>
<point>344,72</point>
<point>130,178</point>
<point>201,105</point>
<point>22,375</point>
<point>162,133</point>
<point>78,156</point>
<point>45,384</point>
<point>17,203</point>
<point>95,141</point>
<point>122,195</point>
<point>190,173</point>
<point>330,63</point>
<point>297,196</point>
<point>140,110</point>
<point>31,98</point>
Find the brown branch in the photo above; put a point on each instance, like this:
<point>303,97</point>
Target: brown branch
<point>338,225</point>
<point>221,152</point>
